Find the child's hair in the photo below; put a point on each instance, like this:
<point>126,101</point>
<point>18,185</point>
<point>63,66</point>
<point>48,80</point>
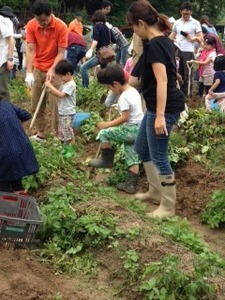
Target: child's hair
<point>219,63</point>
<point>143,10</point>
<point>210,41</point>
<point>98,16</point>
<point>110,74</point>
<point>63,67</point>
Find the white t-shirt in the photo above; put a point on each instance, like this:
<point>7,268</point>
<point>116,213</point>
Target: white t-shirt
<point>131,100</point>
<point>6,30</point>
<point>67,105</point>
<point>191,27</point>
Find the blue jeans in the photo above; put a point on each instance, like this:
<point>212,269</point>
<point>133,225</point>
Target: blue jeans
<point>153,147</point>
<point>121,55</point>
<point>91,63</point>
<point>74,54</point>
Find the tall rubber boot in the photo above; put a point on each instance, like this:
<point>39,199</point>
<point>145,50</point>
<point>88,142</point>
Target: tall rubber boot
<point>105,160</point>
<point>130,184</point>
<point>153,194</point>
<point>166,208</point>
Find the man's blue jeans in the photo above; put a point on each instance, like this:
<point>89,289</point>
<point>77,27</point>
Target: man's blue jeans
<point>91,63</point>
<point>121,55</point>
<point>74,54</point>
<point>153,147</point>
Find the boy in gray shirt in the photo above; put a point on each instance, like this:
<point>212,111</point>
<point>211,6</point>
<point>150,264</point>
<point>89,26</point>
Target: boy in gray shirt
<point>66,100</point>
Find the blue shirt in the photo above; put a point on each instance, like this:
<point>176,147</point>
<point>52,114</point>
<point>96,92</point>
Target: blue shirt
<point>102,34</point>
<point>221,76</point>
<point>17,158</point>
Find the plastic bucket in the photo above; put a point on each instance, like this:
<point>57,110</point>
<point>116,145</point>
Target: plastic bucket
<point>214,106</point>
<point>79,118</point>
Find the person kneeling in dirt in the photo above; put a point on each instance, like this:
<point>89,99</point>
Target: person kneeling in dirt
<point>17,158</point>
<point>122,129</point>
<point>66,100</point>
<point>216,94</point>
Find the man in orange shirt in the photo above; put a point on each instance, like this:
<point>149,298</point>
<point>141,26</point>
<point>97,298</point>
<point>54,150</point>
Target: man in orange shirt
<point>76,25</point>
<point>46,38</point>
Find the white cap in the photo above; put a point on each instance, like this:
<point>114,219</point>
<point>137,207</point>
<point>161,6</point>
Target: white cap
<point>172,20</point>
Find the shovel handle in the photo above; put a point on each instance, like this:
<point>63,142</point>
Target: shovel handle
<point>37,108</point>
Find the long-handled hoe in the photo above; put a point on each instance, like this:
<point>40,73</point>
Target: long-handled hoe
<point>38,107</point>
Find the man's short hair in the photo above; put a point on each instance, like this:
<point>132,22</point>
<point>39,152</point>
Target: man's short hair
<point>186,5</point>
<point>78,14</point>
<point>41,7</point>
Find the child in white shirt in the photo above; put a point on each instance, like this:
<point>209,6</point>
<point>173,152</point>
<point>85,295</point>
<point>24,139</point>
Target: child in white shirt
<point>123,129</point>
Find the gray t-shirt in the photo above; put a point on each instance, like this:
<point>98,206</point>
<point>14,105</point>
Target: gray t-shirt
<point>67,105</point>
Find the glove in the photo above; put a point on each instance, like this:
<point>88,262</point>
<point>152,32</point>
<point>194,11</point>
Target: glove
<point>29,79</point>
<point>108,25</point>
<point>89,53</point>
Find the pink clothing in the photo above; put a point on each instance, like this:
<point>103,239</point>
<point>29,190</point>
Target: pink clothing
<point>207,70</point>
<point>129,65</point>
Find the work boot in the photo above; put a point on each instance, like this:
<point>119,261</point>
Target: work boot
<point>153,194</point>
<point>166,208</point>
<point>130,184</point>
<point>105,160</point>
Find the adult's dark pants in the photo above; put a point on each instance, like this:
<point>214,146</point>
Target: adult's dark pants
<point>11,186</point>
<point>75,53</point>
<point>183,69</point>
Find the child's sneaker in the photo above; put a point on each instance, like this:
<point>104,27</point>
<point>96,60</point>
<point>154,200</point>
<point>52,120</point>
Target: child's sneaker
<point>38,138</point>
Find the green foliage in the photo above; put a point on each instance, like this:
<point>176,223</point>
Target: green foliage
<point>214,214</point>
<point>89,126</point>
<point>164,281</point>
<point>130,263</point>
<point>70,234</point>
<point>180,231</point>
<point>18,90</point>
<point>204,137</point>
<point>178,151</point>
<point>52,164</point>
<point>91,99</point>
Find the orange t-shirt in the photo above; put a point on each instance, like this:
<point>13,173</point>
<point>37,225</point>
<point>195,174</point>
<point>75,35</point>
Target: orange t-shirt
<point>76,27</point>
<point>46,41</point>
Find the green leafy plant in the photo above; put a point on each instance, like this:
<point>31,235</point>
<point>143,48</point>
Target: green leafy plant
<point>181,232</point>
<point>164,281</point>
<point>130,263</point>
<point>214,213</point>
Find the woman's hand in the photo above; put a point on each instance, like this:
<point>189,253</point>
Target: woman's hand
<point>160,125</point>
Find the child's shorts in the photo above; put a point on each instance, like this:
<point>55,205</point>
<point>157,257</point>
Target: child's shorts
<point>65,127</point>
<point>206,80</point>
